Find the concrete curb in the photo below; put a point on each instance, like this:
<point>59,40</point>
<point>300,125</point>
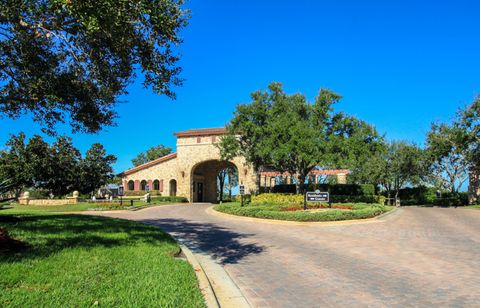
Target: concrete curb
<point>226,292</point>
<point>203,282</point>
<point>380,218</point>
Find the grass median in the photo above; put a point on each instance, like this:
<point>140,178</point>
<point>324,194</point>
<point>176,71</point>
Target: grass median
<point>74,260</point>
<point>317,212</point>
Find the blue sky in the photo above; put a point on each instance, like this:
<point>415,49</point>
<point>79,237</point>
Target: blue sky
<point>399,65</point>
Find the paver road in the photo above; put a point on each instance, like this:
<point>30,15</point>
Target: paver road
<point>417,257</point>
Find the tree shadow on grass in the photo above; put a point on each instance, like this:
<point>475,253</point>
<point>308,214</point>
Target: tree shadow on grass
<point>48,234</point>
<point>220,243</point>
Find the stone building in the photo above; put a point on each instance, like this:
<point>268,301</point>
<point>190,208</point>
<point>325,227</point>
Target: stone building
<point>192,171</point>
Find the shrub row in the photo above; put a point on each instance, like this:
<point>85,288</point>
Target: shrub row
<point>359,211</point>
<point>334,189</point>
<point>142,192</point>
<point>174,199</point>
<point>428,196</point>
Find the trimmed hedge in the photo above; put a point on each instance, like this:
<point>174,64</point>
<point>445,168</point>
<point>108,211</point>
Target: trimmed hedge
<point>142,192</point>
<point>279,212</point>
<point>422,195</point>
<point>335,189</point>
<point>174,199</point>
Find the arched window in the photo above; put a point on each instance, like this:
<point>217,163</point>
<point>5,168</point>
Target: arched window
<point>143,185</point>
<point>156,185</point>
<point>131,185</point>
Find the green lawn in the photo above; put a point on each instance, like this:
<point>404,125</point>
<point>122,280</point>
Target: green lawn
<point>84,206</point>
<point>294,212</point>
<point>79,261</point>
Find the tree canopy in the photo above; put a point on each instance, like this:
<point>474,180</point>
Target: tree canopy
<point>352,143</point>
<point>58,168</point>
<point>280,131</point>
<point>151,154</point>
<point>64,60</point>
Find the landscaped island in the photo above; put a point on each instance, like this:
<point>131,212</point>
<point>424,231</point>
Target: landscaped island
<point>290,207</point>
<point>64,260</point>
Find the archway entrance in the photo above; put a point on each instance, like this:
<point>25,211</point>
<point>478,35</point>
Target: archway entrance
<point>205,180</point>
<point>173,188</point>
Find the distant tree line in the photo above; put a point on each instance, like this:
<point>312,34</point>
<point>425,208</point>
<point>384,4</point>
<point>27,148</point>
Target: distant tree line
<point>282,132</point>
<point>58,168</point>
<point>151,154</point>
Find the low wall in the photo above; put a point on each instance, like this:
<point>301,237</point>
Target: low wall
<point>68,201</point>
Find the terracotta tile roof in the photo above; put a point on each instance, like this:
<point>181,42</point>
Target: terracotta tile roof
<point>313,172</point>
<point>201,132</point>
<point>150,163</point>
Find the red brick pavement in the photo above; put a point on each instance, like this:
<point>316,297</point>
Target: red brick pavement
<point>417,257</point>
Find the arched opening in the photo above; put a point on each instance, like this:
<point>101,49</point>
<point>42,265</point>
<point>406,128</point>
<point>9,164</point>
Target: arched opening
<point>227,183</point>
<point>156,185</point>
<point>143,185</point>
<point>131,185</point>
<point>173,187</point>
<point>206,177</point>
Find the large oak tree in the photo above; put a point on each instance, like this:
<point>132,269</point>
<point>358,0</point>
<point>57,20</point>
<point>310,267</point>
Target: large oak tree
<point>69,61</point>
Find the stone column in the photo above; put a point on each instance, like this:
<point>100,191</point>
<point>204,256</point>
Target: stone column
<point>137,185</point>
<point>341,178</point>
<point>25,199</point>
<point>474,186</point>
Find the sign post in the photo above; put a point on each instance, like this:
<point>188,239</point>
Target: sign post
<point>317,196</point>
<point>242,192</point>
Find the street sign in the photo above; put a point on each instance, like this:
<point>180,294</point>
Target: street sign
<point>120,190</point>
<point>317,196</point>
<point>242,189</point>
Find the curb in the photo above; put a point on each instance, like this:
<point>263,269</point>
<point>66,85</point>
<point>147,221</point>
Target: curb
<point>380,218</point>
<point>217,287</point>
<point>203,282</point>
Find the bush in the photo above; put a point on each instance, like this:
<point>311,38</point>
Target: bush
<point>131,193</point>
<point>173,199</point>
<point>281,212</point>
<point>452,199</point>
<point>335,189</point>
<point>36,193</point>
<point>422,195</point>
<point>273,198</point>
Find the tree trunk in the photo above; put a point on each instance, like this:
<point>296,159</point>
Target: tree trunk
<point>300,184</point>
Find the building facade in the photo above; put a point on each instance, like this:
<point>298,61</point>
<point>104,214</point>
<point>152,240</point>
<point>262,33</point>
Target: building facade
<point>192,171</point>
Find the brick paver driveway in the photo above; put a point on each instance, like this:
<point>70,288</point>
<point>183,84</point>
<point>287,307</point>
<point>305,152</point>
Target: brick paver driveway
<point>417,257</point>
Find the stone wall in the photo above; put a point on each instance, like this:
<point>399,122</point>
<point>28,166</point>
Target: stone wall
<point>68,201</point>
<point>192,152</point>
<point>165,171</point>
